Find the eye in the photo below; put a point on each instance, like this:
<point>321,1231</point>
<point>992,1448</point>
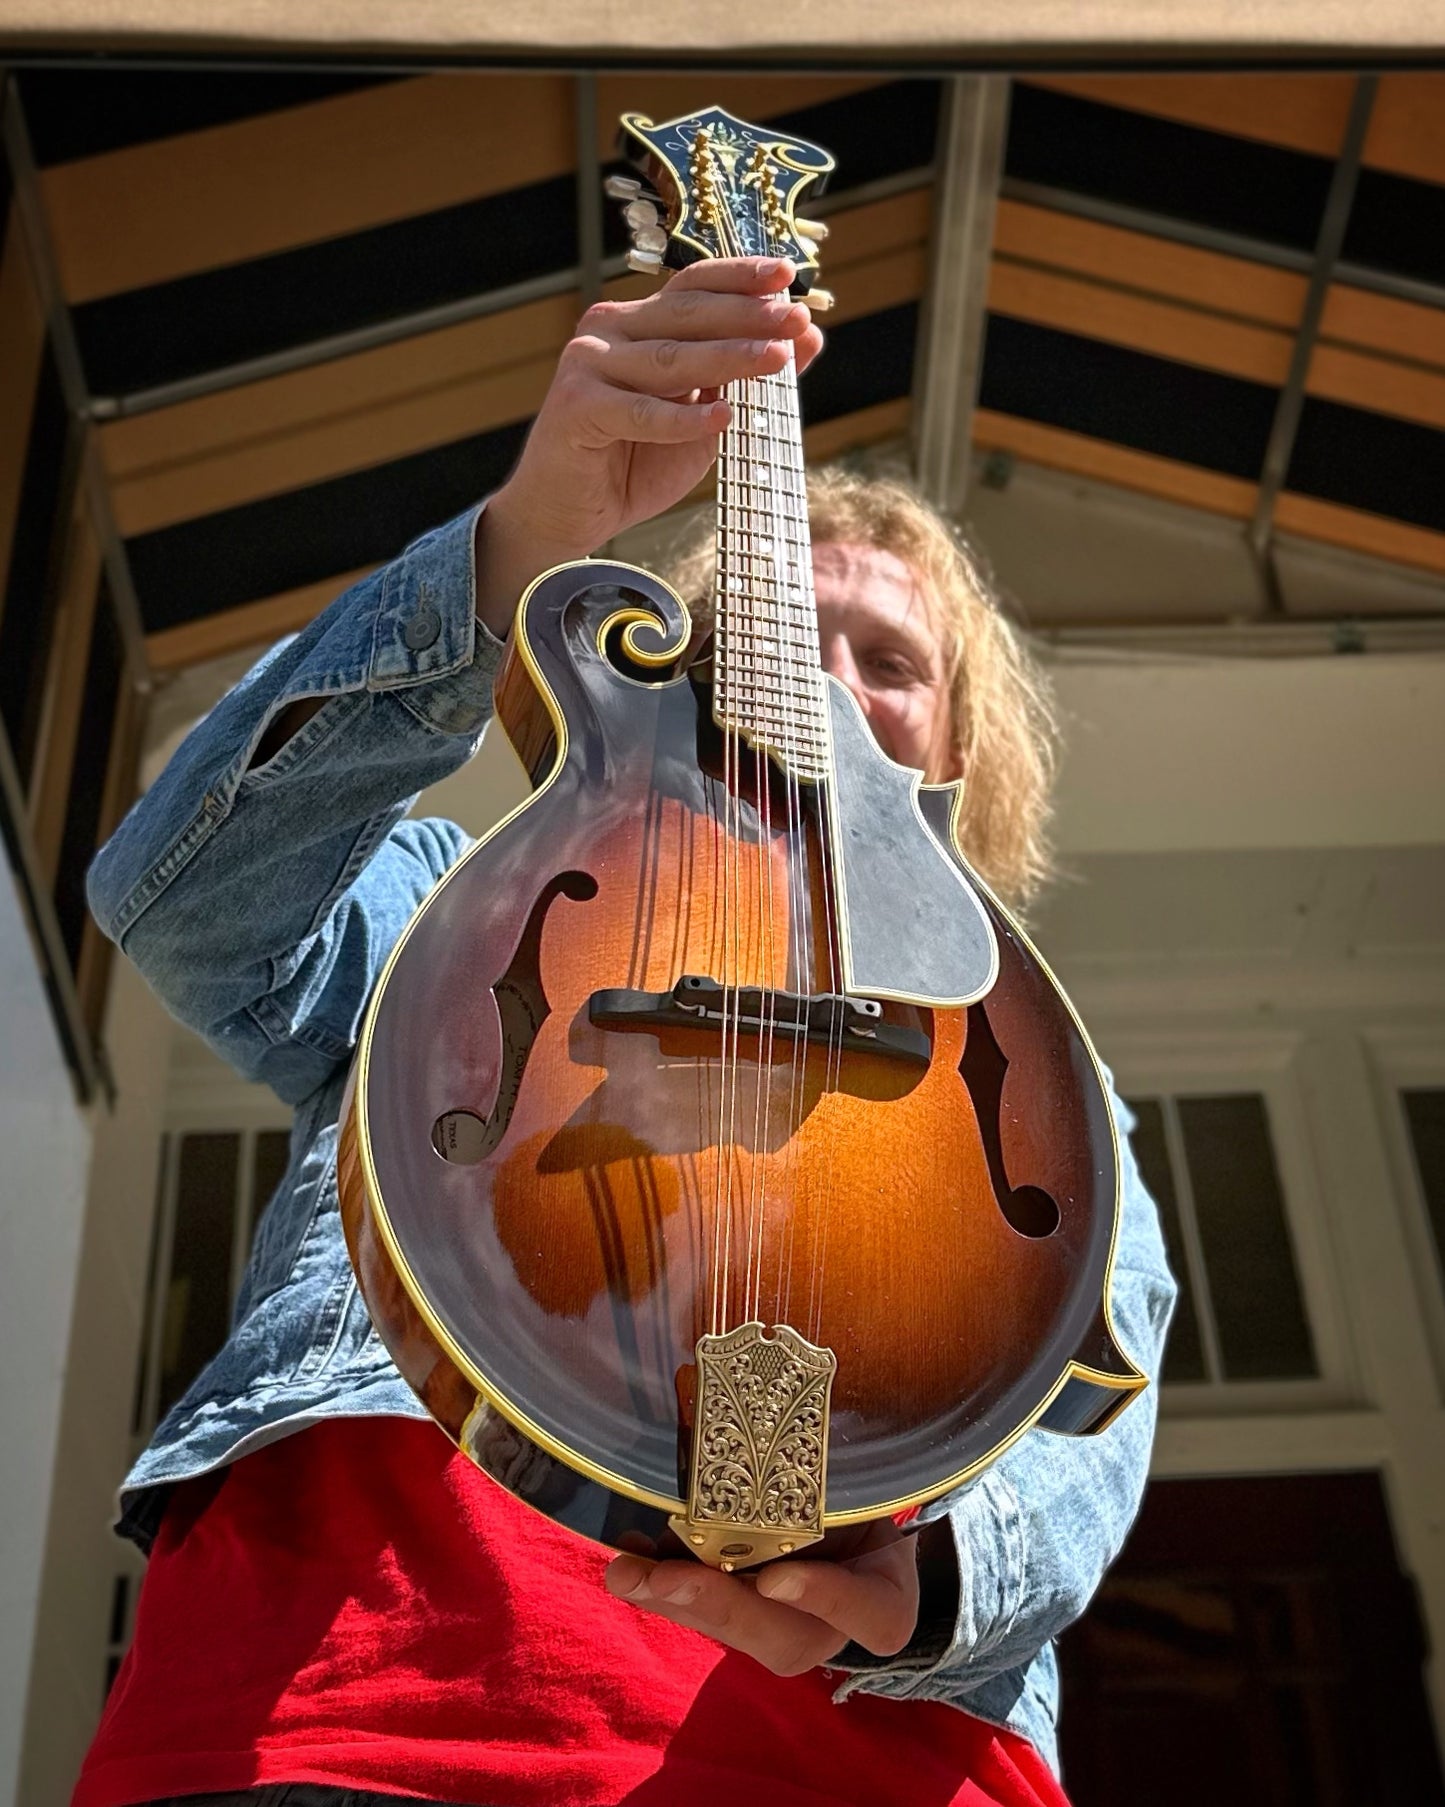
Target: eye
<point>897,667</point>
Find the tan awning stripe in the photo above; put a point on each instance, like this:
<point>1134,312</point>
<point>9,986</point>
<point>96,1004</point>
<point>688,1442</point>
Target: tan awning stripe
<point>202,200</point>
<point>1299,112</point>
<point>1099,458</point>
<point>1136,260</point>
<point>176,206</point>
<point>260,623</point>
<point>1404,329</point>
<point>1407,127</point>
<point>1163,329</point>
<point>291,431</point>
<point>1360,532</point>
<point>1380,385</point>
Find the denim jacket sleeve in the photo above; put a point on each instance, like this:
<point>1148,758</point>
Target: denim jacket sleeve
<point>261,903</point>
<point>1034,1534</point>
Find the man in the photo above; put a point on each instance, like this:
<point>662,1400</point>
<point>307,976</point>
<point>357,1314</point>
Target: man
<point>337,1601</point>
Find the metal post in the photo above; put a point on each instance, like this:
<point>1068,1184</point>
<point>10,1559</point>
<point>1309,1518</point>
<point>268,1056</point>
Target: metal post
<point>589,192</point>
<point>972,132</point>
<point>1328,245</point>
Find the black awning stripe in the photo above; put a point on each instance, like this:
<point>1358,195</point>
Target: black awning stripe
<point>1184,172</point>
<point>1172,410</point>
<point>178,329</point>
<point>202,567</point>
<point>75,113</point>
<point>1375,462</point>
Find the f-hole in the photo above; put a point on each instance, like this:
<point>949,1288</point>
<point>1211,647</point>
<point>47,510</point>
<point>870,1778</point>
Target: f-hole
<point>462,1136</point>
<point>1027,1209</point>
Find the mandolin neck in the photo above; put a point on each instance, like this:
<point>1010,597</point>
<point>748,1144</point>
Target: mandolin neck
<point>767,671</point>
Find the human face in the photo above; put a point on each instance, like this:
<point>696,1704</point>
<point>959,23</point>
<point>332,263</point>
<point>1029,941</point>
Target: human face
<point>878,635</point>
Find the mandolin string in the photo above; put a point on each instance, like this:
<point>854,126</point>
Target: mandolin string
<point>723,678</point>
<point>762,571</point>
<point>743,687</point>
<point>806,680</point>
<point>736,611</point>
<point>770,562</point>
<point>795,736</point>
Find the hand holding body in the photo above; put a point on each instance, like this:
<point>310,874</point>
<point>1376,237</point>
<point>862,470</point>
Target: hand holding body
<point>790,1616</point>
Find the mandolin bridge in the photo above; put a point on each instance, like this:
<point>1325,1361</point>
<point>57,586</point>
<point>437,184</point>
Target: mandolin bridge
<point>828,1018</point>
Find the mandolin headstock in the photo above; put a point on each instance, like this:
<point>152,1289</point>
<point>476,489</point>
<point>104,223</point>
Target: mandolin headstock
<point>723,188</point>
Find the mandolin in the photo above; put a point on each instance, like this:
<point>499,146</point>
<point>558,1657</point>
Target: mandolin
<point>721,1163</point>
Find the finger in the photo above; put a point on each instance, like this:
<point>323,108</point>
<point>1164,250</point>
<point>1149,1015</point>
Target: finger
<point>734,275</point>
<point>698,314</point>
<point>872,1599</point>
<point>672,367</point>
<point>728,1609</point>
<point>808,347</point>
<point>620,415</point>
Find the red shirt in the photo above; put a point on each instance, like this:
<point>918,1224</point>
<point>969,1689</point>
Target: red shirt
<point>359,1605</point>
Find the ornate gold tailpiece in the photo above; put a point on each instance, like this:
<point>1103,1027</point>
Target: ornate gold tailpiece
<point>759,1446</point>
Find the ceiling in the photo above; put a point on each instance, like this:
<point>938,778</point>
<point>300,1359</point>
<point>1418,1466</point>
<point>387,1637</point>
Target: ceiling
<point>314,313</point>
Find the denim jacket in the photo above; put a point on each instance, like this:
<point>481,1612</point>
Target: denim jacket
<point>261,904</point>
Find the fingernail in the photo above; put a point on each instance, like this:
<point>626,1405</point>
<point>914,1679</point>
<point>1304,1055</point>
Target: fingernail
<point>761,347</point>
<point>781,1587</point>
<point>677,1593</point>
<point>769,267</point>
<point>627,1578</point>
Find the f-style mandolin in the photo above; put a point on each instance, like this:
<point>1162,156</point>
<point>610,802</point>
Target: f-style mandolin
<point>721,1162</point>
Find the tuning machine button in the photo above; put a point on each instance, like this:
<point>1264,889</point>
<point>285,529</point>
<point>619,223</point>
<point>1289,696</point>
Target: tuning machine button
<point>813,229</point>
<point>820,300</point>
<point>645,263</point>
<point>621,188</point>
<point>640,215</point>
<point>651,239</point>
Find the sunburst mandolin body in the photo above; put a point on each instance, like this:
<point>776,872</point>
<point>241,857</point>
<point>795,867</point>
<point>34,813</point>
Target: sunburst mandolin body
<point>563,1161</point>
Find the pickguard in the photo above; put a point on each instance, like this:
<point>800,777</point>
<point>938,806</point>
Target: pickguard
<point>910,924</point>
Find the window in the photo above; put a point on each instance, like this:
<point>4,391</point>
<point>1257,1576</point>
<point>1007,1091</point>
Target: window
<point>1210,1163</point>
<point>1424,1108</point>
<point>215,1185</point>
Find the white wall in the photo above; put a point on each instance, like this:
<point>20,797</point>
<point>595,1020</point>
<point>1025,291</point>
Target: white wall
<point>82,1557</point>
<point>44,1154</point>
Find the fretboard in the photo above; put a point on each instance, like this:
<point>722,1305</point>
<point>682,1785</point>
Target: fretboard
<point>767,677</point>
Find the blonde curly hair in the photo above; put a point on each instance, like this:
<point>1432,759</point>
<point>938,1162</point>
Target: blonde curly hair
<point>1004,730</point>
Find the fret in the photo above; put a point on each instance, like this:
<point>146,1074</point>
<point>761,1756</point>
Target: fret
<point>767,673</point>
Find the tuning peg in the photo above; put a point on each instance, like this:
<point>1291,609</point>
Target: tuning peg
<point>819,300</point>
<point>808,246</point>
<point>815,229</point>
<point>621,188</point>
<point>640,215</point>
<point>651,239</point>
<point>645,263</point>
